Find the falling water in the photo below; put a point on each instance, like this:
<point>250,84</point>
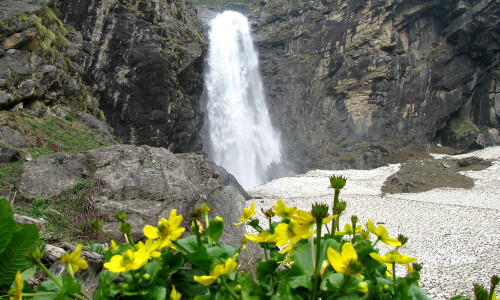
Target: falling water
<point>241,137</point>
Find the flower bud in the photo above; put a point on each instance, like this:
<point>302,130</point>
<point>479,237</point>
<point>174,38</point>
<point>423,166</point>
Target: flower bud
<point>237,288</point>
<point>319,211</point>
<point>267,213</point>
<point>195,213</point>
<point>416,267</point>
<point>125,228</point>
<point>96,224</point>
<point>495,280</point>
<point>386,287</point>
<point>403,239</point>
<point>363,287</point>
<point>125,286</point>
<point>204,208</point>
<point>121,216</point>
<point>146,276</point>
<point>218,219</point>
<point>354,220</point>
<point>137,275</point>
<point>337,182</point>
<point>34,254</point>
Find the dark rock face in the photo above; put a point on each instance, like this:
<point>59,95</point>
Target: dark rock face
<point>145,61</point>
<point>146,183</point>
<point>349,80</point>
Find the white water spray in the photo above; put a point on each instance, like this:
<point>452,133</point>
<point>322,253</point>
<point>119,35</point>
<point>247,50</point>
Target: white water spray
<point>242,139</point>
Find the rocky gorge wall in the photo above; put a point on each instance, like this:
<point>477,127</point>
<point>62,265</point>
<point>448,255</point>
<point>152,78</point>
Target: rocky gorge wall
<point>144,59</point>
<point>348,81</point>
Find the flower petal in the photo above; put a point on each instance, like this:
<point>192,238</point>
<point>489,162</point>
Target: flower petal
<point>151,232</point>
<point>335,259</point>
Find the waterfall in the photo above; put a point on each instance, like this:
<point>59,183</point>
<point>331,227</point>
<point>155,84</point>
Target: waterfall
<point>241,137</point>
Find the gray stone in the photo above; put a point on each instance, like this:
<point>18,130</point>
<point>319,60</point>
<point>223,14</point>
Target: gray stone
<point>8,154</point>
<point>50,175</point>
<point>485,140</point>
<point>145,182</point>
<point>13,137</point>
<point>496,104</point>
<point>25,220</point>
<point>18,61</point>
<point>12,8</point>
<point>5,99</point>
<point>97,124</point>
<point>26,89</point>
<point>495,134</point>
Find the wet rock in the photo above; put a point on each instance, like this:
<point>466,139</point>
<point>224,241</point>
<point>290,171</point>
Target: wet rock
<point>469,161</point>
<point>25,220</point>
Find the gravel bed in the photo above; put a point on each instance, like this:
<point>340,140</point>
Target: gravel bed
<point>455,233</point>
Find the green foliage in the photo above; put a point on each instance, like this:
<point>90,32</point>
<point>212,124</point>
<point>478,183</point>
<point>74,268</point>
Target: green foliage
<point>14,243</point>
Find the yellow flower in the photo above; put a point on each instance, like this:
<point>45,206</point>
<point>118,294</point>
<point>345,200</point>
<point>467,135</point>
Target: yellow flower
<point>114,246</point>
<point>382,234</point>
<point>348,230</point>
<point>347,262</point>
<point>128,261</point>
<point>219,270</point>
<point>263,237</point>
<point>74,260</point>
<point>284,235</point>
<point>283,211</point>
<point>247,214</point>
<point>305,221</point>
<point>174,295</point>
<point>167,230</point>
<point>17,292</point>
<point>150,247</point>
<point>393,257</point>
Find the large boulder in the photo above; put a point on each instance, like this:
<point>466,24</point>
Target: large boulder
<point>145,182</point>
<point>348,79</point>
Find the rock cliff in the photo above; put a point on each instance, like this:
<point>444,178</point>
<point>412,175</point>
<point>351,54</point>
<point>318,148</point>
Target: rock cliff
<point>144,59</point>
<point>348,81</point>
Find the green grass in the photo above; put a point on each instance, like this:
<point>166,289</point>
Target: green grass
<point>68,214</point>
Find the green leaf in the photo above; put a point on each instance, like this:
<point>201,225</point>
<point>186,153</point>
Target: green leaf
<point>200,259</point>
<point>70,286</point>
<point>255,225</point>
<point>47,287</point>
<point>171,262</point>
<point>29,272</point>
<point>459,298</point>
<point>189,244</point>
<point>158,292</point>
<point>416,293</point>
<point>107,288</point>
<point>184,282</point>
<point>7,224</point>
<point>214,231</point>
<point>12,258</point>
<point>266,269</point>
<point>221,252</point>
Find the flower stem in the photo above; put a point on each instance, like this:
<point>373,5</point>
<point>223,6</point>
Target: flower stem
<point>335,222</point>
<point>319,222</point>
<point>250,264</point>
<point>70,269</point>
<point>130,240</point>
<point>106,234</point>
<point>197,229</point>
<point>51,276</point>
<point>393,272</point>
<point>265,251</point>
<point>230,290</point>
